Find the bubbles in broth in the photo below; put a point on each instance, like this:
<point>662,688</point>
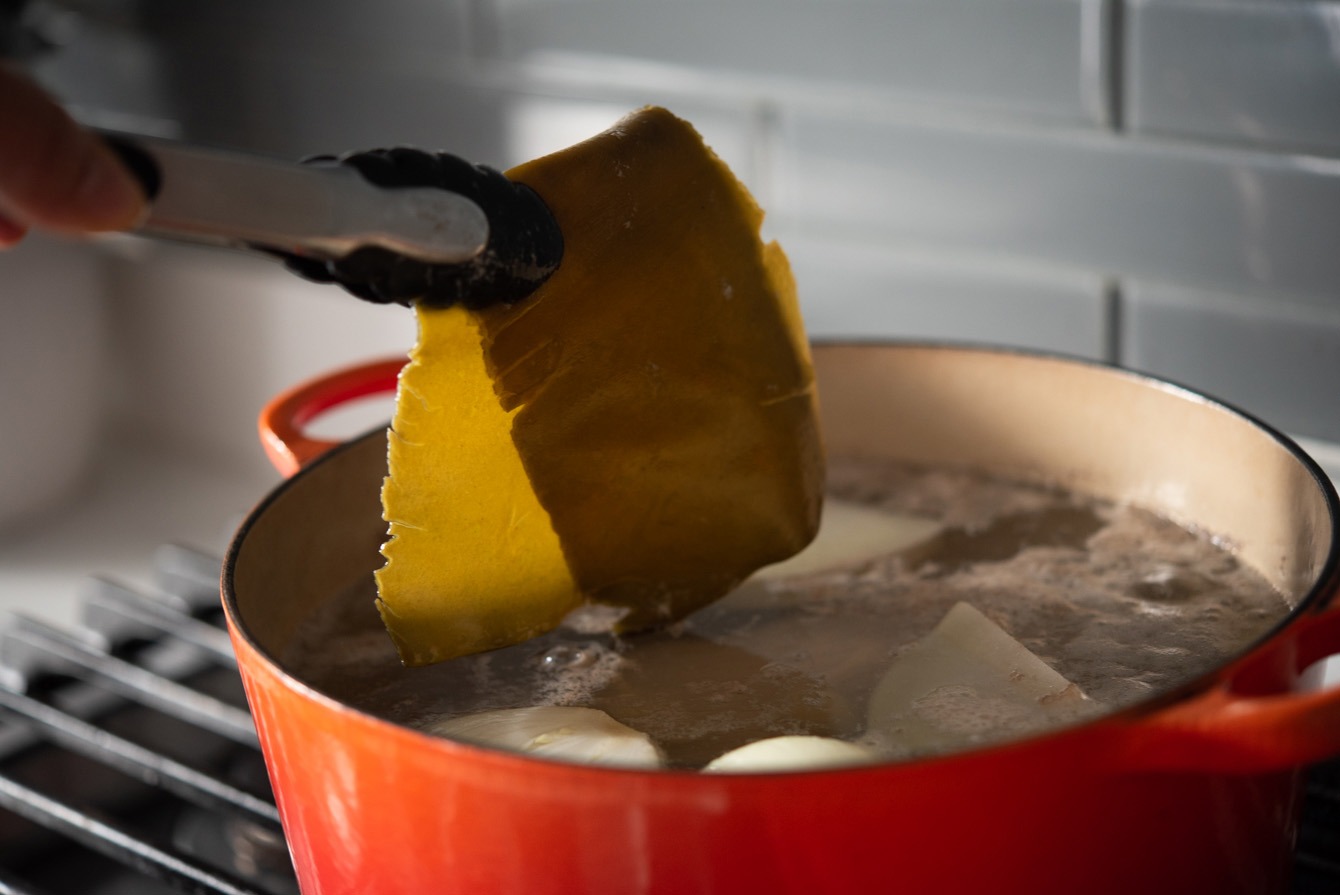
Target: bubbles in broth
<point>1115,599</point>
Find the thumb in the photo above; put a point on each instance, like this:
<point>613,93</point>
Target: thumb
<point>54,174</point>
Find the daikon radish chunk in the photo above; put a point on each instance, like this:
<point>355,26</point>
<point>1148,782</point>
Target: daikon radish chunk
<point>850,533</point>
<point>966,682</point>
<point>790,753</point>
<point>563,733</point>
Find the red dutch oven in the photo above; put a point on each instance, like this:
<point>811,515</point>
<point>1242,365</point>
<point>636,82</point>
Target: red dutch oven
<point>1194,790</point>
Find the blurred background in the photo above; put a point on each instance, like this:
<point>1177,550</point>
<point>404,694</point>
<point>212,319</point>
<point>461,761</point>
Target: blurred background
<point>1152,183</point>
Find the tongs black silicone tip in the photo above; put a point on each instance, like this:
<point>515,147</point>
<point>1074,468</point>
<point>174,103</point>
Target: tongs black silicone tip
<point>400,225</point>
<point>524,246</point>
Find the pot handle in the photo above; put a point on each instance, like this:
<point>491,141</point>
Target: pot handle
<point>284,417</point>
<point>1251,722</point>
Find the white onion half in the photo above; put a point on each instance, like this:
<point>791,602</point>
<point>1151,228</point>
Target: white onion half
<point>790,753</point>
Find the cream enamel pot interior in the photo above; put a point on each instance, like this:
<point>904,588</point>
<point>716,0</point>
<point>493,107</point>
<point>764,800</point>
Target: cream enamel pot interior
<point>1195,790</point>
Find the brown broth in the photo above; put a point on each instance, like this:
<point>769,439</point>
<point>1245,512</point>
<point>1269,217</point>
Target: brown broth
<point>1119,601</point>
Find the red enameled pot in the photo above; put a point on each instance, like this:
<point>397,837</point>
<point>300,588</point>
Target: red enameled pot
<point>1194,790</point>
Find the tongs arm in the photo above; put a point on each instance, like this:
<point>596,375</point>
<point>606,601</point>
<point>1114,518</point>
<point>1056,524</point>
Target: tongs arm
<point>397,225</point>
<point>315,211</point>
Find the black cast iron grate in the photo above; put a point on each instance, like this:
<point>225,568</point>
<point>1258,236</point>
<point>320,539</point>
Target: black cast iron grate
<point>129,764</point>
<point>128,760</point>
<point>1317,858</point>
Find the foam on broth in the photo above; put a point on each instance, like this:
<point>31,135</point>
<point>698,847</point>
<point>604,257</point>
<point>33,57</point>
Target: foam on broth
<point>1121,602</point>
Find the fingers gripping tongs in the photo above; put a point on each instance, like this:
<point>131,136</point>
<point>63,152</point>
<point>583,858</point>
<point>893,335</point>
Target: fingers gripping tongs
<point>389,225</point>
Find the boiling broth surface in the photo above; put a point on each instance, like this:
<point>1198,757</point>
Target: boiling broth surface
<point>1116,599</point>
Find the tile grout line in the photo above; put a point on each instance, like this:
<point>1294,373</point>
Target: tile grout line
<point>1101,62</point>
<point>481,30</point>
<point>1114,62</point>
<point>765,135</point>
<point>1112,320</point>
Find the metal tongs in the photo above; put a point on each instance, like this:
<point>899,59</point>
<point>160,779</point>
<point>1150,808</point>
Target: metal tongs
<point>396,225</point>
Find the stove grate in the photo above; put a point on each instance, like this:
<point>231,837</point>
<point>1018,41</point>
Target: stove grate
<point>128,760</point>
<point>1317,859</point>
<point>116,842</point>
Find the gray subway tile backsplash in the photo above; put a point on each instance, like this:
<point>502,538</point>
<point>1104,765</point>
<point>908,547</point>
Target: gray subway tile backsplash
<point>965,170</point>
<point>1255,72</point>
<point>1243,222</point>
<point>1027,57</point>
<point>898,292</point>
<point>537,124</point>
<point>1276,360</point>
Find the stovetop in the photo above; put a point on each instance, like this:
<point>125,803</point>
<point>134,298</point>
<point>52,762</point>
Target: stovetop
<point>129,763</point>
<point>128,760</point>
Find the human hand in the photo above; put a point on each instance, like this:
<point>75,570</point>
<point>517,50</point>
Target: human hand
<point>54,174</point>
